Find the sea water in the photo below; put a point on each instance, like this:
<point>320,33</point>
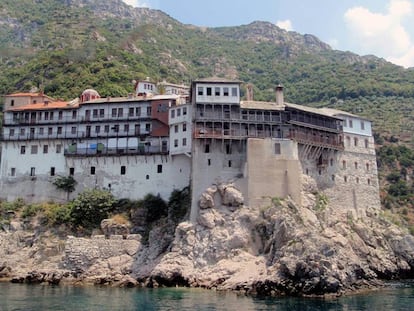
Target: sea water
<point>399,296</point>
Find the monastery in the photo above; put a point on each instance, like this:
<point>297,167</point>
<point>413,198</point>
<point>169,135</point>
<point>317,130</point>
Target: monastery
<point>206,135</point>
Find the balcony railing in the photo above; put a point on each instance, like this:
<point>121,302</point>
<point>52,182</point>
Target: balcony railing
<point>234,133</point>
<point>11,120</point>
<point>317,140</point>
<point>73,151</point>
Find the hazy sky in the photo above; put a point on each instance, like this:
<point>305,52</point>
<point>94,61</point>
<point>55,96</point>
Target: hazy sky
<point>384,28</point>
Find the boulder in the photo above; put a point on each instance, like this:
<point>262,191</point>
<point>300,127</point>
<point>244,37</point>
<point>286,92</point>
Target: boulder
<point>112,227</point>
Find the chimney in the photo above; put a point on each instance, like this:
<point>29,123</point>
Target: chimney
<point>279,95</point>
<point>249,92</point>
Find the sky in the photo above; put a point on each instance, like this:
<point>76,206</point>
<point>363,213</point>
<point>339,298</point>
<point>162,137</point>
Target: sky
<point>384,28</point>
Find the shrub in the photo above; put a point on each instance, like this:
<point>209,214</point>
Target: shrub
<point>179,203</point>
<point>57,214</point>
<point>31,210</point>
<point>155,206</point>
<point>90,207</point>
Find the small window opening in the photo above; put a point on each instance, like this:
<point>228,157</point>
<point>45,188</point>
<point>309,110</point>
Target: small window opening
<point>123,170</point>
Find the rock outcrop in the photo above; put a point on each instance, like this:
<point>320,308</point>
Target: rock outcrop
<point>283,248</point>
<point>277,249</point>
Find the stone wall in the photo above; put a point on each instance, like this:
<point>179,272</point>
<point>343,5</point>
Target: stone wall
<point>272,173</point>
<point>82,253</point>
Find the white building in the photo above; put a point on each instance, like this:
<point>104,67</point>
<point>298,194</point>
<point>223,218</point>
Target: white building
<point>117,143</point>
<point>157,143</point>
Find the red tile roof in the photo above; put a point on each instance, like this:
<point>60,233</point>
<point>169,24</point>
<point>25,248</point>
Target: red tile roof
<point>48,106</point>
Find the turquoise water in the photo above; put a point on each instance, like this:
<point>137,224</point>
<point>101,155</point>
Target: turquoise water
<point>43,297</point>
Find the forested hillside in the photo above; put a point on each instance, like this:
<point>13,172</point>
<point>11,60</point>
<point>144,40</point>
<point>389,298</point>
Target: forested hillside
<point>65,46</point>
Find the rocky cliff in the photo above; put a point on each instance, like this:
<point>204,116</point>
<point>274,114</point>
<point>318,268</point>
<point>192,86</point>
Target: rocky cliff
<point>278,249</point>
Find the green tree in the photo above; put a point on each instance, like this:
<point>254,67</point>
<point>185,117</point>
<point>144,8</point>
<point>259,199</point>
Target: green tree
<point>65,183</point>
<point>91,206</point>
<point>155,206</point>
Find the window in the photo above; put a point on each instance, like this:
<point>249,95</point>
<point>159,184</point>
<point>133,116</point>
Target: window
<point>73,130</point>
<point>176,128</point>
<point>184,111</point>
<point>367,166</point>
<point>45,148</point>
<point>113,114</point>
<point>11,132</point>
<point>217,91</point>
<point>138,111</point>
<point>32,171</point>
<point>120,112</point>
<point>355,142</point>
<point>123,170</point>
<point>51,115</point>
<point>106,129</point>
<point>126,128</point>
<point>92,170</point>
<point>356,165</point>
<point>22,131</point>
<point>366,143</point>
<point>184,141</point>
<point>362,125</point>
<point>130,112</point>
<point>277,148</point>
<point>50,130</point>
<point>13,171</point>
<point>33,149</point>
<point>159,168</point>
<point>101,113</point>
<point>95,113</point>
<point>184,127</point>
<point>60,116</point>
<point>357,180</point>
<point>333,177</point>
<point>369,181</point>
<point>228,149</point>
<point>225,91</point>
<point>331,162</point>
<point>74,114</point>
<point>148,111</point>
<point>208,91</point>
<point>58,148</point>
<point>97,129</point>
<point>229,163</point>
<point>116,128</point>
<point>350,123</point>
<point>71,171</point>
<point>200,91</point>
<point>178,112</point>
<point>345,179</point>
<point>234,91</point>
<point>12,102</point>
<point>41,130</point>
<point>46,115</point>
<point>207,148</point>
<point>59,130</point>
<point>52,171</point>
<point>175,142</point>
<point>344,164</point>
<point>148,127</point>
<point>208,162</point>
<point>147,177</point>
<point>172,114</point>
